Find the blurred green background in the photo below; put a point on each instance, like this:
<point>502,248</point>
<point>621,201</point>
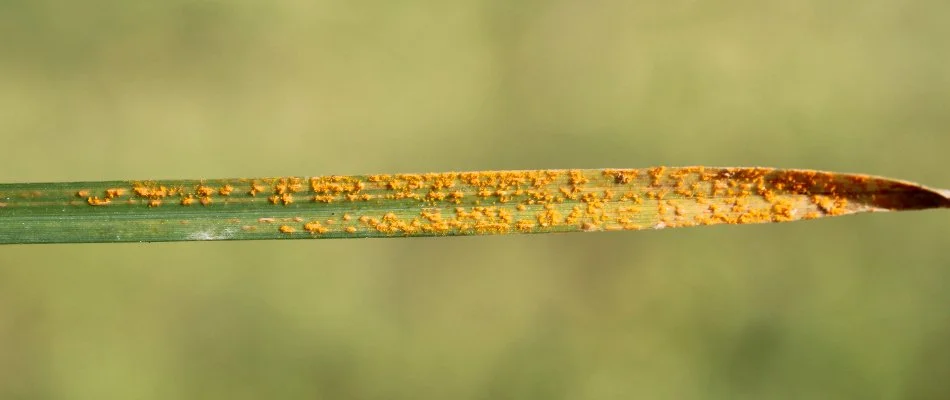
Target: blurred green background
<point>852,307</point>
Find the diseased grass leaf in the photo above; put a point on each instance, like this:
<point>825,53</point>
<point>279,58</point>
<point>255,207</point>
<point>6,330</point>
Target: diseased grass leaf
<point>440,204</point>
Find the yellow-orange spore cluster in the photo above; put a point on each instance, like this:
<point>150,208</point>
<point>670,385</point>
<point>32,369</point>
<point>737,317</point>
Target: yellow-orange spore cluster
<point>756,195</point>
<point>110,194</point>
<point>328,189</point>
<point>473,220</point>
<point>496,202</point>
<point>154,194</point>
<point>315,227</point>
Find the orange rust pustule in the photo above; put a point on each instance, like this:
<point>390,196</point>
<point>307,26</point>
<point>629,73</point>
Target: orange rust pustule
<point>205,191</point>
<point>498,202</point>
<point>739,195</point>
<point>315,227</point>
<point>95,201</point>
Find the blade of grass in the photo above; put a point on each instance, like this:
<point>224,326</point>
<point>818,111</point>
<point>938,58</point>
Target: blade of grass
<point>440,204</point>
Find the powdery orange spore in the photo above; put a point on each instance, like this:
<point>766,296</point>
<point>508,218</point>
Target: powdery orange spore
<point>95,201</point>
<point>497,202</point>
<point>315,227</point>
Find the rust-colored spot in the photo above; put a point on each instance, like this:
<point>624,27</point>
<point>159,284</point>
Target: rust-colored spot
<point>315,227</point>
<point>656,174</point>
<point>205,190</point>
<point>95,201</point>
<point>577,178</point>
<point>323,198</point>
<point>549,217</point>
<point>525,225</point>
<point>621,176</point>
<point>286,198</point>
<point>256,188</point>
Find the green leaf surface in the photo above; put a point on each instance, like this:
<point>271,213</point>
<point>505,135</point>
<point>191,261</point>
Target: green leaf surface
<point>440,204</point>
